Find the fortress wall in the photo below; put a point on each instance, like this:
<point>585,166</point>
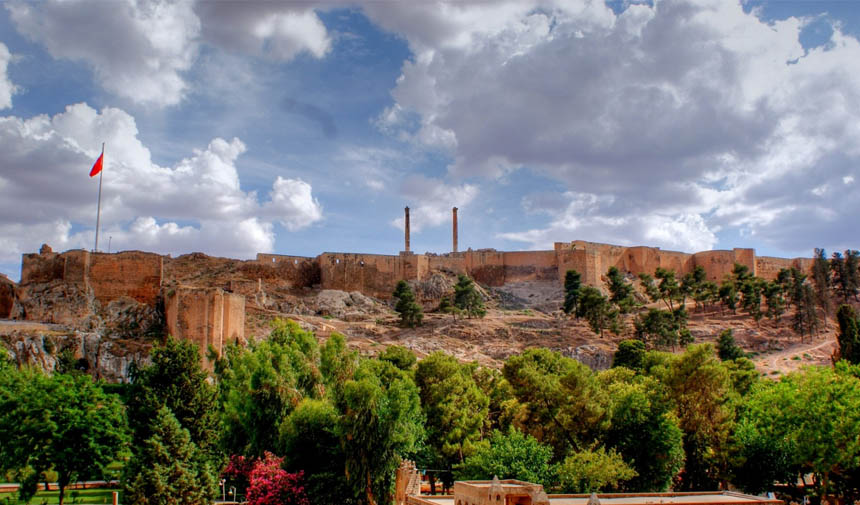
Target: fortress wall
<point>134,274</point>
<point>76,267</point>
<point>234,319</point>
<point>42,267</point>
<point>636,260</point>
<point>296,271</point>
<point>768,267</point>
<point>570,259</point>
<point>452,262</point>
<point>717,264</point>
<point>7,296</point>
<point>530,266</point>
<point>372,274</point>
<point>486,266</point>
<point>746,257</point>
<point>681,263</point>
<point>205,316</point>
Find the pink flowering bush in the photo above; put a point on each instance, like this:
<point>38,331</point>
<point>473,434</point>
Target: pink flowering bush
<point>272,485</point>
<point>238,472</point>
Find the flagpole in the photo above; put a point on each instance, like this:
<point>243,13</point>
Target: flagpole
<point>99,211</point>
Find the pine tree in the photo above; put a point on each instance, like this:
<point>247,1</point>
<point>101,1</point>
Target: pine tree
<point>410,312</point>
<point>621,293</point>
<point>852,272</point>
<point>572,287</point>
<point>822,280</point>
<point>467,299</point>
<point>169,469</point>
<point>849,334</point>
<point>727,349</point>
<point>845,274</point>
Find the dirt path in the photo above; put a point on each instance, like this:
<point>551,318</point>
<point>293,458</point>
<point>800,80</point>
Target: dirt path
<point>798,355</point>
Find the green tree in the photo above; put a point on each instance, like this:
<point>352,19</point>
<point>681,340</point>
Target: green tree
<point>727,349</point>
<point>701,389</point>
<point>643,429</point>
<point>399,356</point>
<point>629,354</point>
<point>813,417</point>
<point>380,421</point>
<point>447,307</point>
<point>594,307</point>
<point>572,286</point>
<point>168,468</point>
<point>709,293</point>
<point>760,461</point>
<point>849,334</point>
<point>592,471</point>
<point>805,317</point>
<point>410,312</point>
<point>563,405</point>
<point>852,272</point>
<point>259,384</point>
<point>663,327</point>
<point>310,439</point>
<point>510,455</point>
<point>175,380</point>
<point>60,422</point>
<point>467,298</point>
<point>454,406</point>
<point>775,298</point>
<point>337,363</point>
<point>667,290</point>
<point>620,291</point>
<point>845,273</point>
<point>694,285</point>
<point>751,290</point>
<point>822,280</point>
<point>728,294</point>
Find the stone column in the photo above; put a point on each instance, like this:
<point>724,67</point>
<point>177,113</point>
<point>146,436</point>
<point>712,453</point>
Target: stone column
<point>407,228</point>
<point>455,229</point>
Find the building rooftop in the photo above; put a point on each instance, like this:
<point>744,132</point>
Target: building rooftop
<point>707,498</point>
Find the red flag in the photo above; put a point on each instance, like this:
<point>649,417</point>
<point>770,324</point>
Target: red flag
<point>98,166</point>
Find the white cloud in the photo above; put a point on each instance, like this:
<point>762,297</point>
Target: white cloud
<point>430,201</point>
<point>198,204</point>
<point>693,116</point>
<point>144,49</point>
<point>292,203</point>
<point>137,49</point>
<point>278,30</point>
<point>7,89</point>
<point>599,218</point>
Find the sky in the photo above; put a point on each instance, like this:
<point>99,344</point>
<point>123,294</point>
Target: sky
<point>238,127</point>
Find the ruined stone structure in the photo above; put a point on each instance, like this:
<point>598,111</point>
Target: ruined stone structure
<point>132,274</point>
<point>204,298</point>
<point>406,217</point>
<point>454,224</point>
<point>209,317</point>
<point>496,492</point>
<point>407,482</point>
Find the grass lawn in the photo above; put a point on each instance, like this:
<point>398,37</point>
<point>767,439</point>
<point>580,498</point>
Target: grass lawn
<point>92,496</point>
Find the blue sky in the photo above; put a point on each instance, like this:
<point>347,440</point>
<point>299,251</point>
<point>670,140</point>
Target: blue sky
<point>241,127</point>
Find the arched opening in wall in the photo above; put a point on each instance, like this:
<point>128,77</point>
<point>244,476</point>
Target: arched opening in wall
<point>295,262</point>
<point>274,260</point>
<point>361,263</point>
<point>337,262</point>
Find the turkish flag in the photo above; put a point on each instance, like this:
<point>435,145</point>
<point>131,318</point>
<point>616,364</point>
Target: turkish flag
<point>98,166</point>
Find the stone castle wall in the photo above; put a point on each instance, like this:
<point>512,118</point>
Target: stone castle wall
<point>133,274</point>
<point>209,317</point>
<point>144,276</point>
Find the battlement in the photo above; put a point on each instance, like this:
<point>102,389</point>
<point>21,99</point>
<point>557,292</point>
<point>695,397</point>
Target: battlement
<point>134,274</point>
